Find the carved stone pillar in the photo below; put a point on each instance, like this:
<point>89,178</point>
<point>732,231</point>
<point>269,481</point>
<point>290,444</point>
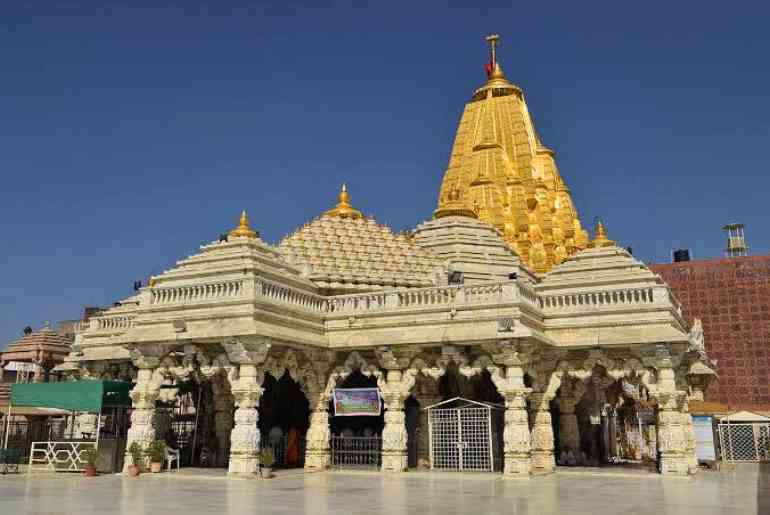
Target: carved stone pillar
<point>39,373</point>
<point>395,388</point>
<point>428,395</point>
<point>223,420</point>
<point>143,397</point>
<point>517,460</point>
<point>542,435</point>
<point>569,431</point>
<point>672,447</point>
<point>244,438</point>
<point>689,438</point>
<point>317,451</point>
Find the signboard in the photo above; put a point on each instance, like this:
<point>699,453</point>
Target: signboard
<point>356,402</point>
<point>704,438</point>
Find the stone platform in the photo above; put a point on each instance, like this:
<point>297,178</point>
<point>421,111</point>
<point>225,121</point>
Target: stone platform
<point>744,491</point>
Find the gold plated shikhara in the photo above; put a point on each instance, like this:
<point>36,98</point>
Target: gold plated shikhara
<point>243,230</point>
<point>500,172</point>
<point>343,209</point>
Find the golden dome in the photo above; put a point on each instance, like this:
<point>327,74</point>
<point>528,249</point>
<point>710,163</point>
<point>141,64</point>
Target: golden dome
<point>243,230</point>
<point>601,240</point>
<point>343,209</point>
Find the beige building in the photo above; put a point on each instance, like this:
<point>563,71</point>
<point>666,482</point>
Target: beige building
<point>500,298</point>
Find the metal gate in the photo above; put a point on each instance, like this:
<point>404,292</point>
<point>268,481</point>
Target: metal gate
<point>464,435</point>
<point>356,452</point>
<point>749,441</point>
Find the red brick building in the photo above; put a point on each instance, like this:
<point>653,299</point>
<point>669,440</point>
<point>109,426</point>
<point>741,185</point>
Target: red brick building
<point>732,299</point>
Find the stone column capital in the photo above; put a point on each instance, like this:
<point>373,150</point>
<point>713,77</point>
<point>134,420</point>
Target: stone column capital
<point>146,356</point>
<point>243,351</point>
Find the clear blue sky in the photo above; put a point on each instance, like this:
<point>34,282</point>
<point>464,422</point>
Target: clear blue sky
<point>129,135</point>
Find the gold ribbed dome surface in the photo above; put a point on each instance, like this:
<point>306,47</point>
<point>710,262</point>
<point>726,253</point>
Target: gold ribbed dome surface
<point>501,172</point>
<point>349,253</point>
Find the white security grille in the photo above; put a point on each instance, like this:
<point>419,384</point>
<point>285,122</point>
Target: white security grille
<point>745,441</point>
<point>462,436</point>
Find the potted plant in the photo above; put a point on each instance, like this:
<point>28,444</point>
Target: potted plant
<point>157,454</point>
<point>135,450</point>
<point>89,456</point>
<point>266,462</point>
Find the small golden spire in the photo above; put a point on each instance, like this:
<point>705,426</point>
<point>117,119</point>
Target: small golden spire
<point>243,230</point>
<point>454,205</point>
<point>600,239</point>
<point>343,209</point>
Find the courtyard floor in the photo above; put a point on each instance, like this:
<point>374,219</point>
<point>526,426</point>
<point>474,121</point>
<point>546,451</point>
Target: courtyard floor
<point>744,490</point>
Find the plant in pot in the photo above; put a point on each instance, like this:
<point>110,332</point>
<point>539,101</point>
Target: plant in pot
<point>137,454</point>
<point>89,456</point>
<point>157,453</point>
<point>266,461</point>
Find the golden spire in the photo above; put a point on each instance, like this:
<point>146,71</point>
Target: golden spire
<point>243,230</point>
<point>504,171</point>
<point>343,209</point>
<point>600,239</point>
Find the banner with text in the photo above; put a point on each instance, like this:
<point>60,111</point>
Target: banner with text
<point>356,402</point>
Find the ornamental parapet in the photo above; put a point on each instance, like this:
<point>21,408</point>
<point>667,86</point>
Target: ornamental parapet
<point>197,292</point>
<point>108,324</point>
<point>591,299</point>
<point>433,297</point>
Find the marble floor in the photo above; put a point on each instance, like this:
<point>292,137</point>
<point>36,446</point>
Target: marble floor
<point>745,490</point>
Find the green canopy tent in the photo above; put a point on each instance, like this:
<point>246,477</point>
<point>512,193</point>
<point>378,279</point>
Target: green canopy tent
<point>83,396</point>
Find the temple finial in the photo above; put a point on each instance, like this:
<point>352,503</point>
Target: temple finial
<point>343,209</point>
<point>344,196</point>
<point>493,40</point>
<point>493,69</point>
<point>600,238</point>
<point>243,230</point>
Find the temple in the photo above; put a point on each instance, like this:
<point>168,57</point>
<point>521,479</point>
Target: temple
<point>566,350</point>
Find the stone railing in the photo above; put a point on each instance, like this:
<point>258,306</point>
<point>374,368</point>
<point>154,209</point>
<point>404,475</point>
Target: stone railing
<point>356,303</point>
<point>197,292</point>
<point>280,294</point>
<point>82,326</point>
<point>610,298</point>
<point>112,323</point>
<point>434,297</point>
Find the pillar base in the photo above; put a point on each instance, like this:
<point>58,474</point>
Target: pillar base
<point>394,462</point>
<point>543,462</point>
<point>674,465</point>
<point>517,466</point>
<point>243,466</point>
<point>316,461</point>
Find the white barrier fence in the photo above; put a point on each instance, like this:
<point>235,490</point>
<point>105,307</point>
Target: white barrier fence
<point>58,456</point>
<point>745,441</point>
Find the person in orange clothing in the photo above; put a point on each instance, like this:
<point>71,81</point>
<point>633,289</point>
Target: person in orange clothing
<point>292,448</point>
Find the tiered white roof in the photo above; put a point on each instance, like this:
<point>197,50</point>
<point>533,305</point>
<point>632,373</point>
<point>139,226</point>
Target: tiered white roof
<point>356,254</point>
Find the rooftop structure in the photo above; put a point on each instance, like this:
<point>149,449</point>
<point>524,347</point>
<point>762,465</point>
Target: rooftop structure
<point>43,349</point>
<point>736,241</point>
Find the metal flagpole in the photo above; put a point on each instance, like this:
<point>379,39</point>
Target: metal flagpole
<point>98,425</point>
<point>7,426</point>
<point>195,432</point>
